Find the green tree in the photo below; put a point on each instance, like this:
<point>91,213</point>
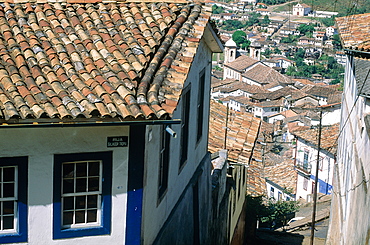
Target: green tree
<point>328,21</point>
<point>231,25</point>
<point>267,53</point>
<point>217,9</point>
<point>306,30</point>
<point>239,37</point>
<point>253,18</point>
<point>289,39</point>
<point>265,21</point>
<point>336,41</point>
<point>277,50</point>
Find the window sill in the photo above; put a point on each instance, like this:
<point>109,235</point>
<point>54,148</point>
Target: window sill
<point>80,232</point>
<point>13,237</point>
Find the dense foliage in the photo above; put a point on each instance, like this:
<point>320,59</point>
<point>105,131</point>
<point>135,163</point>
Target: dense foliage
<point>217,9</point>
<point>343,7</point>
<point>306,30</point>
<point>240,39</point>
<point>253,19</point>
<point>326,66</point>
<point>273,2</point>
<point>271,211</point>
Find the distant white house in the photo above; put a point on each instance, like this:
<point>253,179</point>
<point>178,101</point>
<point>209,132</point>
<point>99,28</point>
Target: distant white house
<point>301,9</point>
<point>330,31</point>
<point>267,108</point>
<point>277,192</point>
<point>306,160</point>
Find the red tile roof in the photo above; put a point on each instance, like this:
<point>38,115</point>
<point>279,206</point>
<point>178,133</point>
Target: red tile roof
<point>354,31</point>
<point>264,75</point>
<point>95,61</point>
<point>241,63</point>
<point>329,135</point>
<point>241,135</point>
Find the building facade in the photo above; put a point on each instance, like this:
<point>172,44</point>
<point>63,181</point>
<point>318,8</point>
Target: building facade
<point>349,222</point>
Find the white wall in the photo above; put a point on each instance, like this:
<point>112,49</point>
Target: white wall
<point>325,172</point>
<point>155,215</point>
<point>277,192</point>
<point>349,222</point>
<point>330,117</point>
<point>40,145</point>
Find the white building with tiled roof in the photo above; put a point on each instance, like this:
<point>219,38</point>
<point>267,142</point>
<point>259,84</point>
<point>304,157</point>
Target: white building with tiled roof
<point>235,68</point>
<point>349,221</point>
<point>305,155</point>
<point>301,9</point>
<point>92,95</point>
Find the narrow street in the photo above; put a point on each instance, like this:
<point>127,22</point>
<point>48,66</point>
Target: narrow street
<point>300,231</point>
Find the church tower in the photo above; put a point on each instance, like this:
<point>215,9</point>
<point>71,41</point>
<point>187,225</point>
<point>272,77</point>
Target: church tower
<point>255,50</point>
<point>229,51</point>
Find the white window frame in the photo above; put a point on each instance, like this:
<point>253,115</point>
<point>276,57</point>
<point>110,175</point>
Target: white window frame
<point>14,199</point>
<point>87,193</point>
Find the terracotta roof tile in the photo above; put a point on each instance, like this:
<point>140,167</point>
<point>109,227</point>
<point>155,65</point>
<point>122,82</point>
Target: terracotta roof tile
<point>354,31</point>
<point>241,135</point>
<point>53,67</point>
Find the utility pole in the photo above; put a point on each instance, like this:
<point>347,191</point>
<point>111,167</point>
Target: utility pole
<point>316,182</point>
<point>226,127</point>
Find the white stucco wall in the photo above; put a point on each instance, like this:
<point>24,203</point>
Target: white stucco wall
<point>331,117</point>
<point>155,215</point>
<point>325,172</point>
<point>277,192</point>
<point>40,145</point>
<point>349,222</point>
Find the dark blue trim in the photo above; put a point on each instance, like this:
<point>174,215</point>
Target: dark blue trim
<point>105,228</point>
<point>324,188</point>
<point>135,185</point>
<point>22,164</point>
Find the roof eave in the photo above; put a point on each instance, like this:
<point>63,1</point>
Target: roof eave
<point>212,40</point>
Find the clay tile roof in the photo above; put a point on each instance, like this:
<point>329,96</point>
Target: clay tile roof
<point>283,173</point>
<point>88,60</point>
<point>265,75</point>
<point>241,135</point>
<point>241,63</point>
<point>354,31</point>
<point>329,135</point>
<point>228,86</point>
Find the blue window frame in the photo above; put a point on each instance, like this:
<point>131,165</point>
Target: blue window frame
<point>82,194</point>
<point>13,199</point>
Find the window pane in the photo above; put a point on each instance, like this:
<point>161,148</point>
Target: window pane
<point>94,169</point>
<point>8,189</point>
<point>93,184</point>
<point>80,202</point>
<point>80,217</point>
<point>91,216</point>
<point>67,218</point>
<point>81,169</point>
<point>8,207</point>
<point>92,201</point>
<point>68,186</point>
<point>81,185</point>
<point>8,222</point>
<point>8,174</point>
<point>68,203</point>
<point>68,170</point>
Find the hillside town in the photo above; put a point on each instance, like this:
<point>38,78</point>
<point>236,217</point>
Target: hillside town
<point>183,122</point>
<point>291,159</point>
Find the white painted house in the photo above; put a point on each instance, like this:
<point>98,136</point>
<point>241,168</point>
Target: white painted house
<point>301,9</point>
<point>306,160</point>
<point>101,142</point>
<point>349,221</point>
